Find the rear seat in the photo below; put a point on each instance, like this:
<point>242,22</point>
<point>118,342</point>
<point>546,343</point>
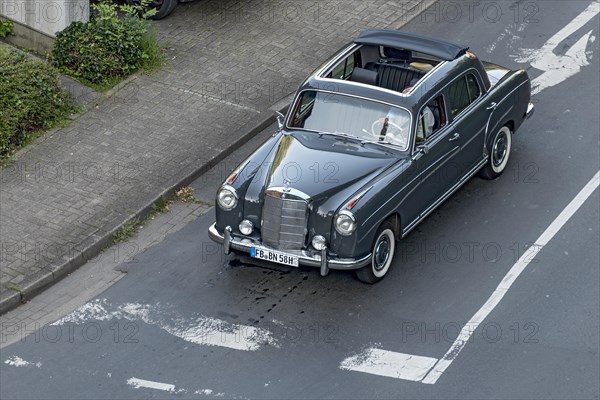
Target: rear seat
<point>394,77</point>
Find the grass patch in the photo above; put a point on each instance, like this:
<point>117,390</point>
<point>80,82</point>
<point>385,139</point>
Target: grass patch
<point>13,287</point>
<point>162,205</point>
<point>153,52</point>
<point>127,231</point>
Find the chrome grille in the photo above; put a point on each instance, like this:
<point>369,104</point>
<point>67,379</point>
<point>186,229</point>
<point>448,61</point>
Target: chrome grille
<point>284,223</point>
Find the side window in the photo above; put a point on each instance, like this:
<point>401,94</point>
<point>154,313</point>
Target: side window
<point>344,68</point>
<point>304,108</point>
<point>474,91</point>
<point>458,96</point>
<point>431,119</point>
<point>463,92</point>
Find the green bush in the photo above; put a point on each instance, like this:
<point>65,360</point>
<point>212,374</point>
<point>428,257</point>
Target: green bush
<point>6,28</point>
<point>108,47</point>
<point>31,99</point>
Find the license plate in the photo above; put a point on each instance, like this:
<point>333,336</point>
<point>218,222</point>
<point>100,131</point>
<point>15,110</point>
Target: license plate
<point>274,256</point>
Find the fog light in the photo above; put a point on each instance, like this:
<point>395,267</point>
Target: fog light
<point>319,242</point>
<point>246,227</point>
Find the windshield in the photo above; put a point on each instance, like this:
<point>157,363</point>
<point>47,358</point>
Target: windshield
<point>340,114</point>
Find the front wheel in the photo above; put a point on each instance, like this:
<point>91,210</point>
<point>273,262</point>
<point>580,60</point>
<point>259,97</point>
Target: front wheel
<point>382,255</point>
<point>499,154</point>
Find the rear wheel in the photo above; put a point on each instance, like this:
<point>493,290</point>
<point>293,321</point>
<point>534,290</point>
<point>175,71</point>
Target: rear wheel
<point>163,7</point>
<point>382,255</point>
<point>499,154</point>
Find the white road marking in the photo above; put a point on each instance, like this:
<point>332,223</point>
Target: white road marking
<point>510,278</point>
<point>209,392</point>
<point>558,68</point>
<point>428,370</point>
<point>17,361</point>
<point>197,329</point>
<point>388,363</point>
<point>137,383</point>
<point>141,383</point>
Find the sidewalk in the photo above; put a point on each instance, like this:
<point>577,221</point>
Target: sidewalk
<point>229,63</point>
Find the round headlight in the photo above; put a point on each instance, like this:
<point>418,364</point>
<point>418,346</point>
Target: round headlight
<point>227,198</point>
<point>319,242</point>
<point>246,227</point>
<point>345,223</point>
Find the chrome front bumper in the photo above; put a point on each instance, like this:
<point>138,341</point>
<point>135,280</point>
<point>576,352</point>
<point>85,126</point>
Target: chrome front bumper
<point>530,111</point>
<point>305,258</point>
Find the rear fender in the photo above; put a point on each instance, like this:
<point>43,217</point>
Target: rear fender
<point>507,102</point>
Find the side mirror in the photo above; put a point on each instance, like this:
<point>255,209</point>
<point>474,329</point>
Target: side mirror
<point>280,118</point>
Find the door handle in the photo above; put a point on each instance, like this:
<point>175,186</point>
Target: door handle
<point>454,137</point>
<point>492,106</point>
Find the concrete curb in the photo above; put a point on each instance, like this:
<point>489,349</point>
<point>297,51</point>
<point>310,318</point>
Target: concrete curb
<point>93,245</point>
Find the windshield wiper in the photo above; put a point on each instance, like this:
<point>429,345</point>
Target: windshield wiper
<point>344,135</point>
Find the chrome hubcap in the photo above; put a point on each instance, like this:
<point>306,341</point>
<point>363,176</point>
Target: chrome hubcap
<point>500,148</point>
<point>382,253</point>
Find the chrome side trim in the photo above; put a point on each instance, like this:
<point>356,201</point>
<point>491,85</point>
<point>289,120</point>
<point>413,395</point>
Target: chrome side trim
<point>450,191</point>
<point>304,257</point>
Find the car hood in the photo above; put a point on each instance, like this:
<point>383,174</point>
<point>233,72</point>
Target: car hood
<point>328,169</point>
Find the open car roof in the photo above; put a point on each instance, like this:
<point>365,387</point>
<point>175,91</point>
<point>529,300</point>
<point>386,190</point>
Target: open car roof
<point>442,49</point>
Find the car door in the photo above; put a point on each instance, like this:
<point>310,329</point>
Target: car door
<point>469,118</point>
<point>429,173</point>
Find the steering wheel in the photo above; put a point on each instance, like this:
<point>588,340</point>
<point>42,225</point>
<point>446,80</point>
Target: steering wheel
<point>395,135</point>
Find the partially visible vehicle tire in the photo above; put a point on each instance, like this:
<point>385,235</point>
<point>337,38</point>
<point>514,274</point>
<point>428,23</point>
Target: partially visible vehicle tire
<point>499,154</point>
<point>163,7</point>
<point>382,255</point>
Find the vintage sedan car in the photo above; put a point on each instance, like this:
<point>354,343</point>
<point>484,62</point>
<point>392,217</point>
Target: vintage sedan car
<point>374,140</point>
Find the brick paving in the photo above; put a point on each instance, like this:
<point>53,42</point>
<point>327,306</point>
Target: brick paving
<point>228,62</point>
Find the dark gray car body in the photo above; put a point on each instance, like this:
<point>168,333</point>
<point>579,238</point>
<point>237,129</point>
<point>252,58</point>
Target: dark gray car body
<point>403,187</point>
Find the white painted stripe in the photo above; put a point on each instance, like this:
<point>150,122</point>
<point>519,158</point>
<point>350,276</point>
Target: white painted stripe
<point>558,68</point>
<point>17,361</point>
<point>196,329</point>
<point>388,363</point>
<point>510,278</point>
<point>141,383</point>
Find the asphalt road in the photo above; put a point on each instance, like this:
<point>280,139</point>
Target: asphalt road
<point>184,316</point>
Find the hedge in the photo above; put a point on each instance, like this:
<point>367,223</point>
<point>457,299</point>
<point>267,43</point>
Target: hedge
<point>31,99</point>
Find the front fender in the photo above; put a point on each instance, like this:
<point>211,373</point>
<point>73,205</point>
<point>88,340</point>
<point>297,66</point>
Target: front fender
<point>375,206</point>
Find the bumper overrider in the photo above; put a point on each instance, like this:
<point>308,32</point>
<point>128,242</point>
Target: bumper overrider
<point>305,258</point>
